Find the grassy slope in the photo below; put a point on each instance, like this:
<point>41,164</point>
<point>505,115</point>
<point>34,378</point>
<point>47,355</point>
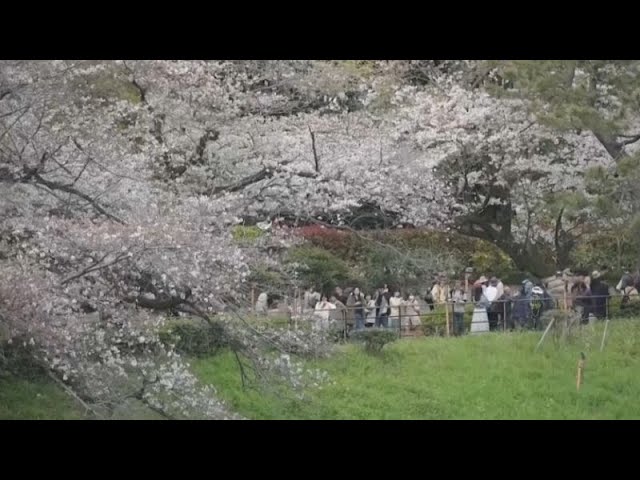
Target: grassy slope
<point>35,400</point>
<point>496,376</point>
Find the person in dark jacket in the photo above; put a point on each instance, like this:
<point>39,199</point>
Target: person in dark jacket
<point>428,298</point>
<point>522,313</point>
<point>581,294</point>
<point>382,307</point>
<point>599,296</point>
<point>503,307</point>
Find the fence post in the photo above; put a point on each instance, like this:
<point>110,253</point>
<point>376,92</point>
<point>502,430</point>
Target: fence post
<point>504,315</point>
<point>446,312</point>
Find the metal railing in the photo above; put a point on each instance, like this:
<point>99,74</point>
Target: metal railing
<point>444,318</point>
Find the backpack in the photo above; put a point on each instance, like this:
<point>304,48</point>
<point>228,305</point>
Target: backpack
<point>537,301</point>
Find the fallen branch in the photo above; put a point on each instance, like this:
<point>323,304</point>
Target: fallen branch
<point>73,394</point>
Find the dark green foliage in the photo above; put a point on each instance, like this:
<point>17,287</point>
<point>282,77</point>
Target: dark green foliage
<point>193,336</point>
<point>18,359</point>
<point>319,268</point>
<point>374,339</point>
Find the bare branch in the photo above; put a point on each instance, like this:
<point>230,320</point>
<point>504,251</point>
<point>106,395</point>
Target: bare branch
<point>84,167</point>
<point>32,173</point>
<point>531,124</point>
<point>313,147</point>
<point>631,139</point>
<point>94,268</point>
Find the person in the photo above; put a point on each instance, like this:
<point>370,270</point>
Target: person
<point>310,299</point>
<point>439,292</point>
<point>493,311</point>
<point>581,295</point>
<point>599,296</point>
<point>521,311</point>
<point>395,303</point>
<point>480,319</point>
<point>370,312</point>
<point>382,307</point>
<point>412,309</point>
<point>505,305</point>
<point>338,316</point>
<point>355,303</point>
<point>322,313</point>
<point>429,296</point>
<point>459,299</point>
<point>537,305</point>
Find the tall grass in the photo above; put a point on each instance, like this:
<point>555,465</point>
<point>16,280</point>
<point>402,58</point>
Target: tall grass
<point>493,376</point>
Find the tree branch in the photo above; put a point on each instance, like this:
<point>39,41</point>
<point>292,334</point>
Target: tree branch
<point>94,268</point>
<point>265,173</point>
<point>631,139</point>
<point>313,147</point>
<point>244,182</point>
<point>32,173</point>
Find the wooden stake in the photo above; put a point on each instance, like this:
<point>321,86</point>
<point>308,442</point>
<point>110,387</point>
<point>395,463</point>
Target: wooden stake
<point>580,375</point>
<point>545,333</point>
<point>604,334</point>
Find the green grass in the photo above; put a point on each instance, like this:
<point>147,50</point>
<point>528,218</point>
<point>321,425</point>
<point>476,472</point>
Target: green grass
<point>22,399</point>
<point>494,376</point>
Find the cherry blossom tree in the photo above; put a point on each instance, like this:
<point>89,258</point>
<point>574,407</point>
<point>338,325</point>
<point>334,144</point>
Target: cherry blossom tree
<point>122,181</point>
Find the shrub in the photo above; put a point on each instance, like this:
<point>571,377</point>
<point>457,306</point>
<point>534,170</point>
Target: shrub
<point>435,325</point>
<point>374,339</point>
<point>630,310</point>
<point>268,280</point>
<point>17,358</point>
<point>565,327</point>
<point>319,267</point>
<point>304,343</point>
<point>244,234</point>
<point>193,336</point>
<point>339,242</point>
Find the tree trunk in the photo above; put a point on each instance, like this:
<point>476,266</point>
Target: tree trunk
<point>534,259</point>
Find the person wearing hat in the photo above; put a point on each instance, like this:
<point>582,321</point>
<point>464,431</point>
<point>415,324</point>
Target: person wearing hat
<point>491,292</point>
<point>599,296</point>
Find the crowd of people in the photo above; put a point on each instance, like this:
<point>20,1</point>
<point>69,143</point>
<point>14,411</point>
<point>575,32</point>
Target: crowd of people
<point>351,307</point>
<point>494,304</point>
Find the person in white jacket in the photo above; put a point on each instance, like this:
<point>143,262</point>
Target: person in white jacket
<point>412,309</point>
<point>322,313</point>
<point>370,311</point>
<point>395,303</point>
